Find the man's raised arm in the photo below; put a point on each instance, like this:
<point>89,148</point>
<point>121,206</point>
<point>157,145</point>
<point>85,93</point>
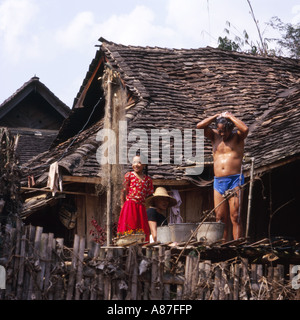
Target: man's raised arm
<point>241,126</point>
<point>204,124</point>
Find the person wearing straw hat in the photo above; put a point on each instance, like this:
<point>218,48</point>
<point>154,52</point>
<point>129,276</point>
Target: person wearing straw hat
<point>158,204</point>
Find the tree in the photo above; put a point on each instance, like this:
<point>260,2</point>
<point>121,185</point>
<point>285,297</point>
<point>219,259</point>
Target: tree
<point>240,43</point>
<point>290,36</point>
<point>227,44</point>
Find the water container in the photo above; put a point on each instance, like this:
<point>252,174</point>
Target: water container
<point>210,232</point>
<point>181,232</point>
<point>163,234</point>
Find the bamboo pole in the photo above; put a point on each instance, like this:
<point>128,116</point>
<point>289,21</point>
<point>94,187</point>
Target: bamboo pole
<point>250,197</point>
<point>109,186</point>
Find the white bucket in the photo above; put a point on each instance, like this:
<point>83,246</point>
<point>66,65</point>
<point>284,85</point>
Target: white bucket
<point>210,232</point>
<point>181,232</point>
<point>163,234</point>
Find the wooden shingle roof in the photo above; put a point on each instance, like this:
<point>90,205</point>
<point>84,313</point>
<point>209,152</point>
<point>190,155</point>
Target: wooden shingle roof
<point>176,88</point>
<point>35,114</point>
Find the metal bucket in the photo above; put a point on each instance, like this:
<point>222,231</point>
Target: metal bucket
<point>181,232</point>
<point>163,234</point>
<point>210,232</point>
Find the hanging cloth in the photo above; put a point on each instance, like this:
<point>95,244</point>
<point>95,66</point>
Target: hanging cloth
<point>54,180</point>
<point>175,210</point>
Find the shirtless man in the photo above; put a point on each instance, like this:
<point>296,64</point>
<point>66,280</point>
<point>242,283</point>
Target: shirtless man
<point>228,152</point>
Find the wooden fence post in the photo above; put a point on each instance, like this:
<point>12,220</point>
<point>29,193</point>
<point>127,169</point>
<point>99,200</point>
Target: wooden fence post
<point>79,286</point>
<point>73,268</point>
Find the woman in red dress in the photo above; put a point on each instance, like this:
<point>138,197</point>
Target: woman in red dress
<point>137,187</point>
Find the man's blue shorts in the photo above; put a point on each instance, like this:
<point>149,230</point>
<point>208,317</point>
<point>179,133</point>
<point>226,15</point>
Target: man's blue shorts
<point>222,184</point>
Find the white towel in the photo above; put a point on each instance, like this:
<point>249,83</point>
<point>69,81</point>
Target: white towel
<point>54,181</point>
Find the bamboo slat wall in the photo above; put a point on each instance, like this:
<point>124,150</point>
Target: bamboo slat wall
<point>39,266</point>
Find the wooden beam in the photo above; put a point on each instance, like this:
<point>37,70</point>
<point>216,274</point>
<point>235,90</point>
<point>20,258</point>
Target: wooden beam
<point>95,180</point>
<point>79,103</point>
<point>165,182</point>
<point>63,192</point>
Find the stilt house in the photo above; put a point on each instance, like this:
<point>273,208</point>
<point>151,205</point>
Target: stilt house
<point>144,93</point>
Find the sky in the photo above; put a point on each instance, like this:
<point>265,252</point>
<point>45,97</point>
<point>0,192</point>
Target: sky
<point>55,39</point>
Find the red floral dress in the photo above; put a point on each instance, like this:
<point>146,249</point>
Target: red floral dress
<point>133,214</point>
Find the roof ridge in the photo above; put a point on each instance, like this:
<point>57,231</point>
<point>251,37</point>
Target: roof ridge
<point>36,80</point>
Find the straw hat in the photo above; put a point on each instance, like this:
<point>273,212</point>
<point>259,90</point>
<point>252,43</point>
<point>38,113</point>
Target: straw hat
<point>160,192</point>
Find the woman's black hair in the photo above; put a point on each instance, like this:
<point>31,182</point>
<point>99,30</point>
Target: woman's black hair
<point>145,170</point>
<point>228,124</point>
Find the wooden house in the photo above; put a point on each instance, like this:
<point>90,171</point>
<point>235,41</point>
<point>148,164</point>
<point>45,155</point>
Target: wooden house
<point>150,88</point>
<point>35,114</point>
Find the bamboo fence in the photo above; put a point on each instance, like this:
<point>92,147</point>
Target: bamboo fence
<point>39,267</point>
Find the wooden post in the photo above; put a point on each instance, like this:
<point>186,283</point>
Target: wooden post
<point>20,277</point>
<point>167,269</point>
<point>107,278</point>
<point>223,278</point>
<point>49,261</point>
<point>43,250</point>
<point>216,290</point>
<point>154,275</point>
<point>30,234</point>
<point>58,293</point>
<point>16,259</point>
<point>100,282</point>
<point>207,272</point>
<point>8,252</point>
<point>79,276</point>
<point>236,281</point>
<point>73,268</point>
<point>160,284</point>
<point>119,252</point>
<point>201,281</point>
<point>147,283</point>
<point>244,279</point>
<point>34,290</point>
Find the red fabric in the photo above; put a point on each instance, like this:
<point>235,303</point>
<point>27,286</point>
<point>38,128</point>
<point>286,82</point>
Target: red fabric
<point>134,216</point>
<point>137,189</point>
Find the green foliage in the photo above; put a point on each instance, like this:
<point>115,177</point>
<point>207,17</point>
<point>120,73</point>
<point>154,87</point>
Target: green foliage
<point>227,44</point>
<point>290,36</point>
<point>241,42</point>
